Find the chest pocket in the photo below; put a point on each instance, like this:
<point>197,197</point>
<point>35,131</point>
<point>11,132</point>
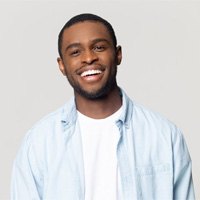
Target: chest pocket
<point>155,182</point>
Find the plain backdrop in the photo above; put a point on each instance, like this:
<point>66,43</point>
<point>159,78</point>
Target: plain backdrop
<point>160,69</point>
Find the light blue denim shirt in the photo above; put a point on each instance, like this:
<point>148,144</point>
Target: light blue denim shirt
<point>153,159</point>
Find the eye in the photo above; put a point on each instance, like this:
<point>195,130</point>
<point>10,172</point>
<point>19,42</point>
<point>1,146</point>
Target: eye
<point>99,48</point>
<point>75,52</point>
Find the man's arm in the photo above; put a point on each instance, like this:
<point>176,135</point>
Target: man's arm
<point>183,183</point>
<point>26,179</point>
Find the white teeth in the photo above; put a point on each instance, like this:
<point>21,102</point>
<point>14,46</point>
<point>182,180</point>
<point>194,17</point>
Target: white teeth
<point>91,72</point>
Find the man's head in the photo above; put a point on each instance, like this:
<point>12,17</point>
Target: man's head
<point>82,18</point>
<point>89,56</point>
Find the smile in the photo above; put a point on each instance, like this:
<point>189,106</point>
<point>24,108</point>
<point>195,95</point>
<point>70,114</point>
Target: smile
<point>91,72</point>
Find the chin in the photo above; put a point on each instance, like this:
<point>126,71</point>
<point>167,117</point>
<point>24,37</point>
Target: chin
<point>94,95</point>
<point>98,93</point>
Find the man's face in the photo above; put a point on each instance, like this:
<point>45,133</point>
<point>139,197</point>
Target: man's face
<point>89,59</point>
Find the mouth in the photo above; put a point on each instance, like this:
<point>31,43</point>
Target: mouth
<point>91,72</point>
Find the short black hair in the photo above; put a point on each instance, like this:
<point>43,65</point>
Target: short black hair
<point>86,17</point>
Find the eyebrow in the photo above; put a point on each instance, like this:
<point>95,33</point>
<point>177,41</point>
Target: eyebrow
<point>100,40</point>
<point>77,44</point>
<point>73,45</point>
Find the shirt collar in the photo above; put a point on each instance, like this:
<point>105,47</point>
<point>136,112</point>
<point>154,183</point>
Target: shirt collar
<point>69,113</point>
<point>127,108</point>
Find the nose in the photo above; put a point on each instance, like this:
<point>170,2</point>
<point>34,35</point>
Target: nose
<point>89,57</point>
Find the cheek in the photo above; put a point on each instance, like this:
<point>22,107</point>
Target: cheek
<point>107,59</point>
<point>112,63</point>
<point>72,64</point>
<point>67,68</point>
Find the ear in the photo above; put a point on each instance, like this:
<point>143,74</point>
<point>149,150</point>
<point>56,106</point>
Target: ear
<point>61,66</point>
<point>119,55</point>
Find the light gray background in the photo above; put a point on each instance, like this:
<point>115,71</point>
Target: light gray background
<point>160,68</point>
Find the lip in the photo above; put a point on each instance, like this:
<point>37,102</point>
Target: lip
<point>92,73</point>
<point>92,78</point>
<point>90,67</point>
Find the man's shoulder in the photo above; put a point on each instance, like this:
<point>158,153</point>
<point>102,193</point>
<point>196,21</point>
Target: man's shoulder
<point>51,122</point>
<point>144,117</point>
<point>44,134</point>
<point>50,118</point>
<point>150,118</point>
<point>155,128</point>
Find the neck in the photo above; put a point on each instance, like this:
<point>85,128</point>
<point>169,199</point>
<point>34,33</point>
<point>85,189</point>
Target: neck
<point>99,108</point>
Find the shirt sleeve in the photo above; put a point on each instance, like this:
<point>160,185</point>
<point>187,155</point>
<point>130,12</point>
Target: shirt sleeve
<point>26,180</point>
<point>183,183</point>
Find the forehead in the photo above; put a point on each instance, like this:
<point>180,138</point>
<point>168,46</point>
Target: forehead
<point>85,31</point>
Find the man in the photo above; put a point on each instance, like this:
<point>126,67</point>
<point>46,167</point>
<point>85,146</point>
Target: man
<point>101,145</point>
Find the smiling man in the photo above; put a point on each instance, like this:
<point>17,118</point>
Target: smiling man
<point>101,145</point>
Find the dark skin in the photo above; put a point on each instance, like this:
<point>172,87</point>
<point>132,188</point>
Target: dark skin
<point>89,60</point>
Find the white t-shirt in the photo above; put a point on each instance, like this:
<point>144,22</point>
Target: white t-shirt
<point>99,139</point>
